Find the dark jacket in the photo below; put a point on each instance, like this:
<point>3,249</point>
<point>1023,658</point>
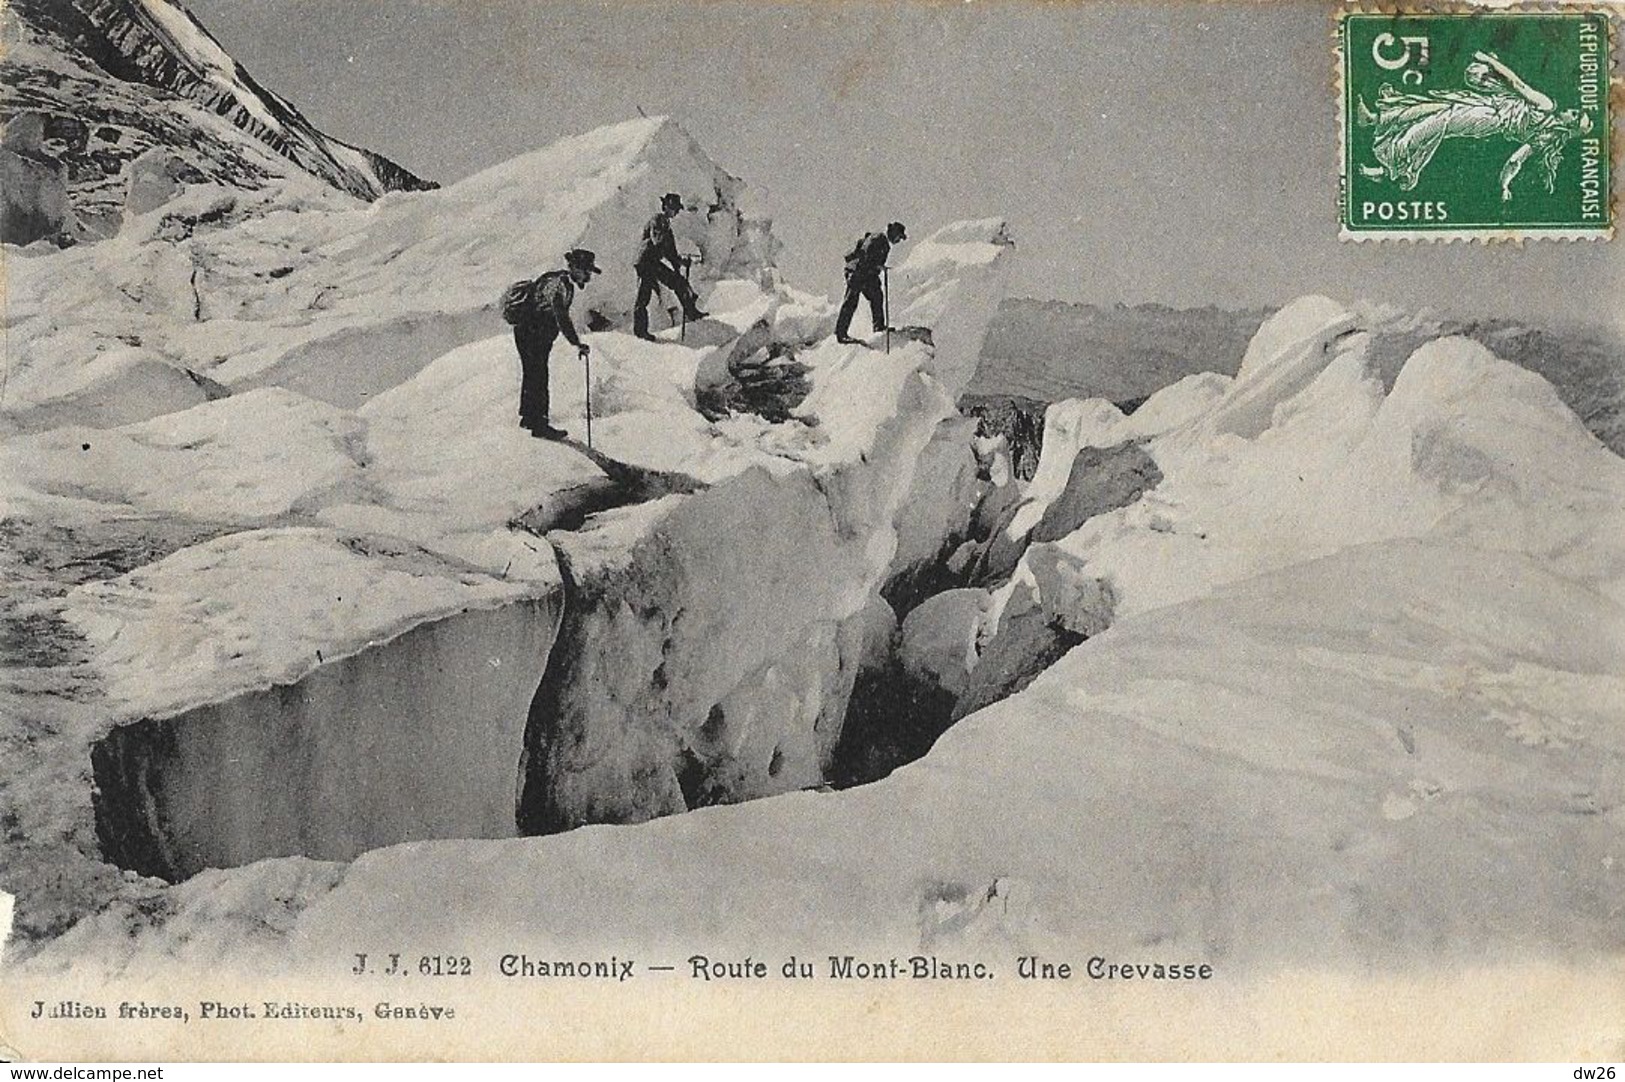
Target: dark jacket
<point>554,292</point>
<point>658,243</point>
<point>869,257</point>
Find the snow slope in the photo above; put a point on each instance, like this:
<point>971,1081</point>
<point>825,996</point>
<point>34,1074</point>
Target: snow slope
<point>302,289</point>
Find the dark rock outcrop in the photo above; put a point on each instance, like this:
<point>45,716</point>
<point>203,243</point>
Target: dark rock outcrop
<point>1102,479</point>
<point>1019,420</point>
<point>769,383</point>
<point>33,200</point>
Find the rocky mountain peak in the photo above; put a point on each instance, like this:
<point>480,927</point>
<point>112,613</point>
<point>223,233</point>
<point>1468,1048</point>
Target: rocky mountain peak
<point>92,84</point>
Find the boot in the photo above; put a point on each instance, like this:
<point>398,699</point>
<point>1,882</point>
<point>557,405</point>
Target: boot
<point>691,306</point>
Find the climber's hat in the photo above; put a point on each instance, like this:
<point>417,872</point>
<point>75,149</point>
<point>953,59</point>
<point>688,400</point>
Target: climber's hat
<point>581,257</point>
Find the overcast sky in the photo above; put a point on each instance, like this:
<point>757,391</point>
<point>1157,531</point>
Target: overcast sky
<point>1167,151</point>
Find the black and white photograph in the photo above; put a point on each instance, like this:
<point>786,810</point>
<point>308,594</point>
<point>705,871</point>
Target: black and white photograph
<point>810,530</point>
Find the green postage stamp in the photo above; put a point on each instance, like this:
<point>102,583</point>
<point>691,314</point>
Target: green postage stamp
<point>1482,125</point>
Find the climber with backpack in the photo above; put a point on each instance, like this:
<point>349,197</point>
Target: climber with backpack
<point>659,264</point>
<point>539,309</point>
<point>865,263</point>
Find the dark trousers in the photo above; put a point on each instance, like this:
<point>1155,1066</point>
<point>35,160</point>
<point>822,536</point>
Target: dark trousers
<point>650,275</point>
<point>862,286</point>
<point>535,342</point>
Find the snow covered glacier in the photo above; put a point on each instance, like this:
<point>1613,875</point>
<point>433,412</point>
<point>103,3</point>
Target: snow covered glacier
<point>1318,666</point>
<point>1365,746</point>
<point>344,602</point>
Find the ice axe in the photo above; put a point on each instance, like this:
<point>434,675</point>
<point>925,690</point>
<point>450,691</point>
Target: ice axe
<point>885,302</point>
<point>586,361</point>
<point>688,261</point>
<point>660,299</point>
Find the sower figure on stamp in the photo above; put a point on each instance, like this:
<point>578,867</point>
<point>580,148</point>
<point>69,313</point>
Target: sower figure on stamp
<point>659,264</point>
<point>1409,128</point>
<point>539,310</point>
<point>864,265</point>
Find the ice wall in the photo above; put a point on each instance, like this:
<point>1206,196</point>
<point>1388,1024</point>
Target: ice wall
<point>209,592</point>
<point>410,738</point>
<point>710,660</point>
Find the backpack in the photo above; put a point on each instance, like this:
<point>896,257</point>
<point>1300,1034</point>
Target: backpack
<point>519,301</point>
<point>856,254</point>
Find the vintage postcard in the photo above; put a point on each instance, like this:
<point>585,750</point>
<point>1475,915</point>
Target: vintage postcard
<point>790,530</point>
